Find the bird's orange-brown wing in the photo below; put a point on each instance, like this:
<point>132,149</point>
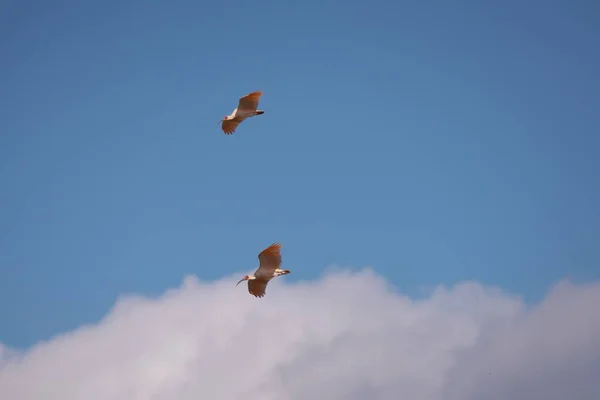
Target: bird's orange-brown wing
<point>250,101</point>
<point>270,258</point>
<point>230,126</point>
<point>257,287</point>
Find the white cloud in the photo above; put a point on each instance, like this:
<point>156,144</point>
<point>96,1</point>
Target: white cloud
<point>346,336</point>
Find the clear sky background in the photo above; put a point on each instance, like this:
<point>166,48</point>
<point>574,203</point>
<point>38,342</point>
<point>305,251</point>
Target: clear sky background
<point>435,141</point>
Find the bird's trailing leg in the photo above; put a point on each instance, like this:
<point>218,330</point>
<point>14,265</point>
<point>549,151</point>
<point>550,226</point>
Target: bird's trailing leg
<point>279,272</point>
<point>259,112</point>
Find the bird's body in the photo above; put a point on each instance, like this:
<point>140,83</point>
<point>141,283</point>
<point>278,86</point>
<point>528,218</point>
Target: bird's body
<point>270,261</point>
<point>247,107</point>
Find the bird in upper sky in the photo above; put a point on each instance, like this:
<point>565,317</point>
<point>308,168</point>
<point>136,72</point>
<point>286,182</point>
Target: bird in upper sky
<point>269,263</point>
<point>247,107</point>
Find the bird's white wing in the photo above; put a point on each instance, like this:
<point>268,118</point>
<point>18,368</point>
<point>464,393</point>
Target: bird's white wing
<point>230,125</point>
<point>258,287</point>
<point>250,101</point>
<point>269,259</point>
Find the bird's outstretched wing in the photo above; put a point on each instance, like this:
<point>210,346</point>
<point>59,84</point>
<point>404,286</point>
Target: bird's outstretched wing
<point>270,258</point>
<point>250,101</point>
<point>257,287</point>
<point>230,126</point>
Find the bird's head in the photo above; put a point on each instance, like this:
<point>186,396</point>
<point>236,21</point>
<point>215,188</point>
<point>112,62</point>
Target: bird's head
<point>225,118</point>
<point>245,278</point>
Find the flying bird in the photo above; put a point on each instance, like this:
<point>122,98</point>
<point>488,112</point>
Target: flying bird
<point>270,261</point>
<point>247,107</point>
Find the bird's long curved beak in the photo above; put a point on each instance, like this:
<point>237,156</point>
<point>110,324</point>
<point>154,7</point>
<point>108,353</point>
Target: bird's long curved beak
<point>219,122</point>
<point>241,280</point>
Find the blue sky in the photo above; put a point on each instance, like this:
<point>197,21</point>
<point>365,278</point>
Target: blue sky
<point>435,142</point>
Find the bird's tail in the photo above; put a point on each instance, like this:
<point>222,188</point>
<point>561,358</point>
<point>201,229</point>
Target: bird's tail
<point>259,112</point>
